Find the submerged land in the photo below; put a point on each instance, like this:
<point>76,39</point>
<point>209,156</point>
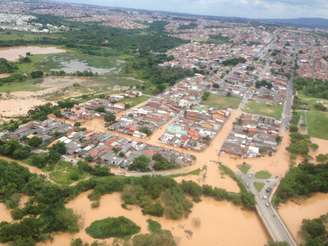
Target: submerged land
<point>163,129</point>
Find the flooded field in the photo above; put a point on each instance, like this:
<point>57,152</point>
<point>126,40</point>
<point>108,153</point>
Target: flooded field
<point>211,223</point>
<point>18,103</point>
<point>74,66</point>
<point>13,53</point>
<point>293,212</point>
<point>323,147</point>
<point>14,107</point>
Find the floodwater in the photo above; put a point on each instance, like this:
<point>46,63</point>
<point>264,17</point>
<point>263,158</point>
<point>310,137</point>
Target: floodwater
<point>74,66</point>
<point>14,53</point>
<point>16,107</point>
<point>4,75</point>
<point>210,223</point>
<point>18,103</point>
<point>293,212</point>
<point>211,175</point>
<point>323,147</point>
<point>5,215</point>
<point>277,164</point>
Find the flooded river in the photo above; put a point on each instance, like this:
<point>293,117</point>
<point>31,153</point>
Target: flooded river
<point>13,53</point>
<point>293,212</point>
<point>210,223</point>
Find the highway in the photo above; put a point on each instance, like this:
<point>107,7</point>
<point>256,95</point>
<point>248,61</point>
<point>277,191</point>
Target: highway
<point>269,216</point>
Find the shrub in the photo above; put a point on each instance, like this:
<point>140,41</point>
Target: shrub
<point>112,227</point>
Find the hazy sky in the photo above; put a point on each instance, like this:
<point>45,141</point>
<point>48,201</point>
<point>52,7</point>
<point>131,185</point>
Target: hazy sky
<point>241,8</point>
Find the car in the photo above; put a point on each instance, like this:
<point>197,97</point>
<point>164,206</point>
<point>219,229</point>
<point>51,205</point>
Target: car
<point>268,190</point>
<point>267,204</point>
<point>265,197</point>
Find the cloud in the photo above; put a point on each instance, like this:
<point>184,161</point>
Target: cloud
<point>241,8</point>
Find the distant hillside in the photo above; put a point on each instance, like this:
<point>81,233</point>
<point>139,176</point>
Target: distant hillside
<point>298,22</point>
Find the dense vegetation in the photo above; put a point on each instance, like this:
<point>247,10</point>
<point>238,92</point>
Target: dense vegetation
<point>263,83</point>
<point>312,87</point>
<point>233,61</point>
<point>161,238</point>
<point>112,227</point>
<point>145,164</point>
<point>45,212</point>
<point>142,50</point>
<point>300,145</point>
<point>6,67</point>
<point>314,231</point>
<point>219,39</point>
<point>303,180</point>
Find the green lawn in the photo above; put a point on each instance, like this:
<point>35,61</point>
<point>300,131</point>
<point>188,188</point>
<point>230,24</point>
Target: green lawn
<point>244,168</point>
<point>135,101</point>
<point>317,124</point>
<point>222,102</point>
<point>263,175</point>
<point>64,173</point>
<point>27,85</point>
<point>258,186</point>
<point>261,108</point>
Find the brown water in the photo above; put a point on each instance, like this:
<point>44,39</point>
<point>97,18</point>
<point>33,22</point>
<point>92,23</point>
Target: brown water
<point>18,103</point>
<point>5,213</point>
<point>323,147</point>
<point>4,75</point>
<point>211,175</point>
<point>18,106</point>
<point>210,223</point>
<point>293,212</point>
<point>14,53</point>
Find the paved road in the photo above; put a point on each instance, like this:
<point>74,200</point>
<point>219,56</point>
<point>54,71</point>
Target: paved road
<point>271,219</point>
<point>287,110</point>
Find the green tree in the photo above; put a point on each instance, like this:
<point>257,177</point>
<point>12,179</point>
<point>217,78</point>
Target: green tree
<point>110,117</point>
<point>36,74</point>
<point>141,163</point>
<point>35,142</point>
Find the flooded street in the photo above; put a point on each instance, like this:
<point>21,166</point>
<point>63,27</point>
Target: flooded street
<point>293,212</point>
<point>14,53</point>
<point>210,223</point>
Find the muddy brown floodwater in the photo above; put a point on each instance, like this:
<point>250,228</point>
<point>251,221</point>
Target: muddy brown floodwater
<point>4,214</point>
<point>210,223</point>
<point>323,147</point>
<point>293,212</point>
<point>4,75</point>
<point>13,53</point>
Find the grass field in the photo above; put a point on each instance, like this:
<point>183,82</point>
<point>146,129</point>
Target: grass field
<point>222,102</point>
<point>258,186</point>
<point>244,168</point>
<point>263,175</point>
<point>135,101</point>
<point>65,173</point>
<point>317,124</point>
<point>269,110</point>
<point>28,85</point>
